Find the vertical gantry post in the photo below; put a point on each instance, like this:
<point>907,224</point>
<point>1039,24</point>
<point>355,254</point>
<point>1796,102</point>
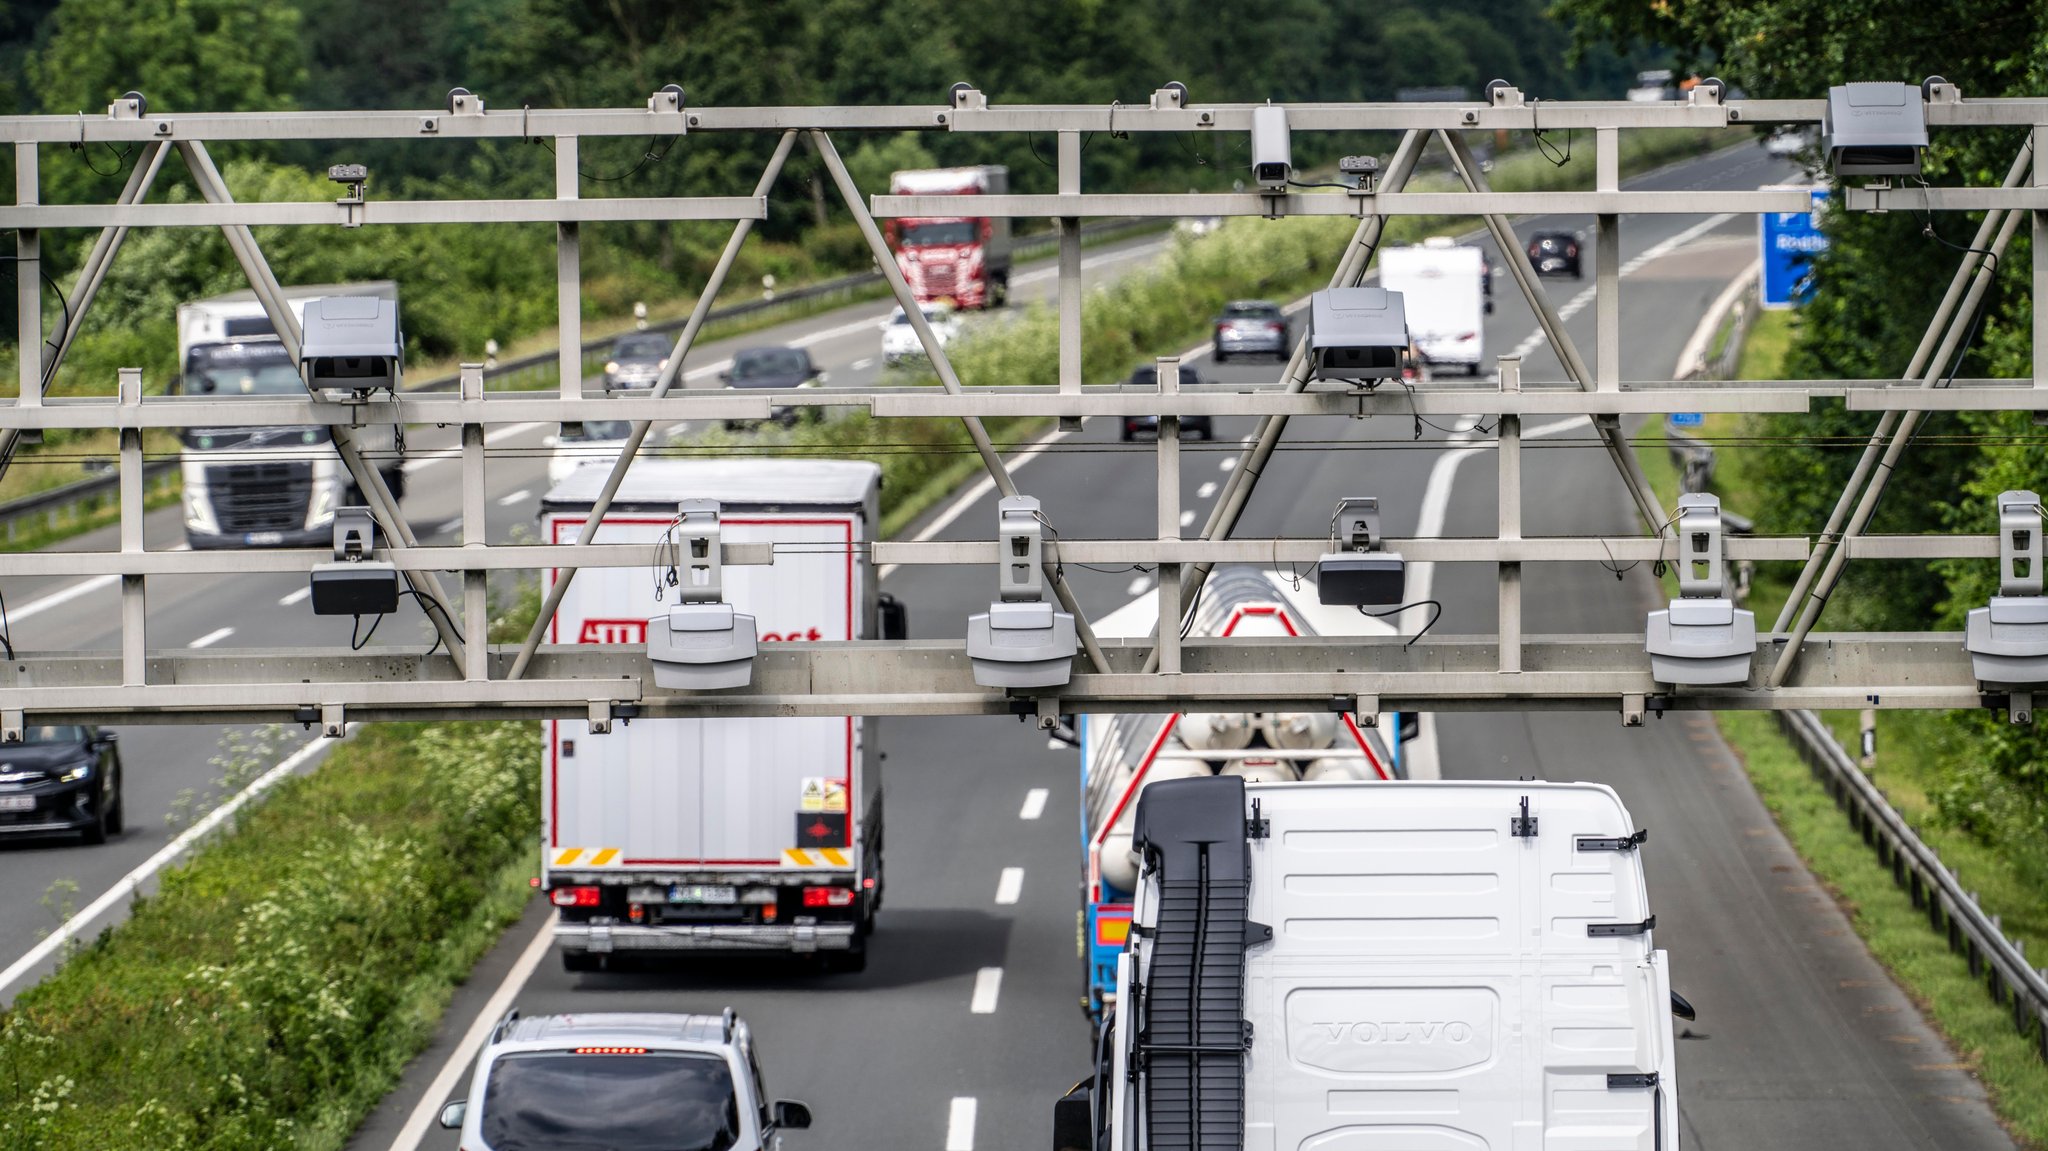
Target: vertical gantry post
<point>476,624</point>
<point>1510,519</point>
<point>1606,265</point>
<point>568,275</point>
<point>1070,270</point>
<point>134,604</point>
<point>1169,518</point>
<point>28,279</point>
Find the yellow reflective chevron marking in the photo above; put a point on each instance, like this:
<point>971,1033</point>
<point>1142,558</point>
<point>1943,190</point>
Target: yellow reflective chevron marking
<point>833,856</point>
<point>604,857</point>
<point>587,857</point>
<point>815,857</point>
<point>568,856</point>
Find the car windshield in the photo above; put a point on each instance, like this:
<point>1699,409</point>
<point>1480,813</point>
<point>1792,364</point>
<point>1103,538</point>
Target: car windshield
<point>641,348</point>
<point>547,1101</point>
<point>931,235</point>
<point>900,318</point>
<point>1251,312</point>
<point>769,362</point>
<point>61,733</point>
<point>258,369</point>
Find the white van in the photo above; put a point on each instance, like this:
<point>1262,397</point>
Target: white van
<point>1448,964</point>
<point>1443,284</point>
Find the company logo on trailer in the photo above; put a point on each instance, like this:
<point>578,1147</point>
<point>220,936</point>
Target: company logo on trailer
<point>1417,1032</point>
<point>635,631</point>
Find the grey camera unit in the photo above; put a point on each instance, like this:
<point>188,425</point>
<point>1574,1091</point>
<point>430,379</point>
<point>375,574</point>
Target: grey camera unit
<point>1357,334</point>
<point>1702,637</point>
<point>2008,638</point>
<point>1272,148</point>
<point>1359,575</point>
<point>1874,129</point>
<point>353,583</point>
<point>1020,641</point>
<point>352,343</point>
<point>700,644</point>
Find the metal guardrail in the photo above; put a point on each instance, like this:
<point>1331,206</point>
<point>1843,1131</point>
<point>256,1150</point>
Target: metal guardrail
<point>58,502</point>
<point>2013,982</point>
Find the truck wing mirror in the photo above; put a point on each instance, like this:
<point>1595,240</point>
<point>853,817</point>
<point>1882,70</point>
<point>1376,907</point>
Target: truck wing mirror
<point>1410,725</point>
<point>451,1115</point>
<point>895,618</point>
<point>791,1115</point>
<point>1073,1119</point>
<point>1681,1008</point>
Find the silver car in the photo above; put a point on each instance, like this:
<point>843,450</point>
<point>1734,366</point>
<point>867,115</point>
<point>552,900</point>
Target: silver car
<point>637,1081</point>
<point>1252,328</point>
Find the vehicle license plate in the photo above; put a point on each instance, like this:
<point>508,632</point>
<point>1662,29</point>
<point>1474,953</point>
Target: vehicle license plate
<point>17,803</point>
<point>257,539</point>
<point>693,893</point>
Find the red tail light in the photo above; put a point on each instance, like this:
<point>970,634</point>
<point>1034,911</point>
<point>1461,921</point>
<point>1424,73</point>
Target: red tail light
<point>1571,249</point>
<point>574,896</point>
<point>1276,327</point>
<point>828,897</point>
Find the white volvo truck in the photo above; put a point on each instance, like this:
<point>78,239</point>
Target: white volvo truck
<point>726,834</point>
<point>1384,964</point>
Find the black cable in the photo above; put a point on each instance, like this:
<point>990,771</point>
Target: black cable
<point>1550,151</point>
<point>120,157</point>
<point>6,632</point>
<point>1927,229</point>
<point>355,644</point>
<point>1404,607</point>
<point>429,607</point>
<point>651,156</point>
<point>1320,184</point>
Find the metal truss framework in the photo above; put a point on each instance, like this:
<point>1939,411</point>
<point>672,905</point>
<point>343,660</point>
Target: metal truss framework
<point>1792,669</point>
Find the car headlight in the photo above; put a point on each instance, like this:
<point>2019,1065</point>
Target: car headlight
<point>76,772</point>
<point>611,368</point>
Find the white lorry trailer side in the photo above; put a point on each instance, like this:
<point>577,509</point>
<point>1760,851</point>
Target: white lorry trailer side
<point>728,834</point>
<point>1450,964</point>
<point>1443,286</point>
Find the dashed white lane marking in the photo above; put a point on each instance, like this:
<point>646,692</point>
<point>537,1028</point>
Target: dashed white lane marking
<point>212,637</point>
<point>55,598</point>
<point>1010,886</point>
<point>960,1124</point>
<point>863,364</point>
<point>515,497</point>
<point>1034,803</point>
<point>1138,585</point>
<point>1207,489</point>
<point>676,429</point>
<point>1228,463</point>
<point>1657,251</point>
<point>491,439</point>
<point>1187,518</point>
<point>299,596</point>
<point>988,983</point>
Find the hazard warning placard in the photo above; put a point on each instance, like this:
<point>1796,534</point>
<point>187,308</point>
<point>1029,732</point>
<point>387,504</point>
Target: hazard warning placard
<point>813,798</point>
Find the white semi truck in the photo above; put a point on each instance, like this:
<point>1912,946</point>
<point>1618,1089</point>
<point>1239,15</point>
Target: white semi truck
<point>726,834</point>
<point>265,486</point>
<point>1384,964</point>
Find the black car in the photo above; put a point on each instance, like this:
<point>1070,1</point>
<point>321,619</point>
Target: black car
<point>1147,379</point>
<point>1554,254</point>
<point>636,361</point>
<point>772,368</point>
<point>61,778</point>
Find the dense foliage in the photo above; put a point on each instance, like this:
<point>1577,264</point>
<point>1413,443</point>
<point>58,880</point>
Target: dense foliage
<point>463,286</point>
<point>1878,285</point>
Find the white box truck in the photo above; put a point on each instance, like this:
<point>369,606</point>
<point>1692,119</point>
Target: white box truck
<point>1444,287</point>
<point>1446,964</point>
<point>264,487</point>
<point>726,834</point>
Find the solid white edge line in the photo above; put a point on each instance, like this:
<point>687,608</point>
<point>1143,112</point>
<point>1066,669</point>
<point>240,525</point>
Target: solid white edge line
<point>974,492</point>
<point>428,1111</point>
<point>212,637</point>
<point>988,984</point>
<point>165,855</point>
<point>1010,886</point>
<point>1034,803</point>
<point>960,1124</point>
<point>1694,356</point>
<point>64,596</point>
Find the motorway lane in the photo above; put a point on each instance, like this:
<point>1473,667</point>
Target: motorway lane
<point>263,610</point>
<point>1810,1046</point>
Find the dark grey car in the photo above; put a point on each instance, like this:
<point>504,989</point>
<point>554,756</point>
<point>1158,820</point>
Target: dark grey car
<point>1146,378</point>
<point>1252,328</point>
<point>636,361</point>
<point>772,368</point>
<point>61,778</point>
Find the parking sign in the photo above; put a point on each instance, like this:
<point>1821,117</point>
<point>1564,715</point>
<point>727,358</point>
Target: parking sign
<point>1789,241</point>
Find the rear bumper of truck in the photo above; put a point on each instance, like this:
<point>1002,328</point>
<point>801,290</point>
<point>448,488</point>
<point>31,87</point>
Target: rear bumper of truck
<point>799,938</point>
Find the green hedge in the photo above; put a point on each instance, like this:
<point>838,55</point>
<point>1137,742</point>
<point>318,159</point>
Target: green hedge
<point>268,995</point>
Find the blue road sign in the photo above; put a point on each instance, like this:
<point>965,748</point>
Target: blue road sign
<point>1686,419</point>
<point>1789,241</point>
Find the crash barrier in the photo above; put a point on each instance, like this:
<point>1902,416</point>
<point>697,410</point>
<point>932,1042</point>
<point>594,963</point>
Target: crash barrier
<point>2000,962</point>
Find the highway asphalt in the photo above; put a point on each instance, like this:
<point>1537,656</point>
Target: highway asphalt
<point>1801,1042</point>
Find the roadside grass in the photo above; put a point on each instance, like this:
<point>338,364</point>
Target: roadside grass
<point>273,989</point>
<point>2011,879</point>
